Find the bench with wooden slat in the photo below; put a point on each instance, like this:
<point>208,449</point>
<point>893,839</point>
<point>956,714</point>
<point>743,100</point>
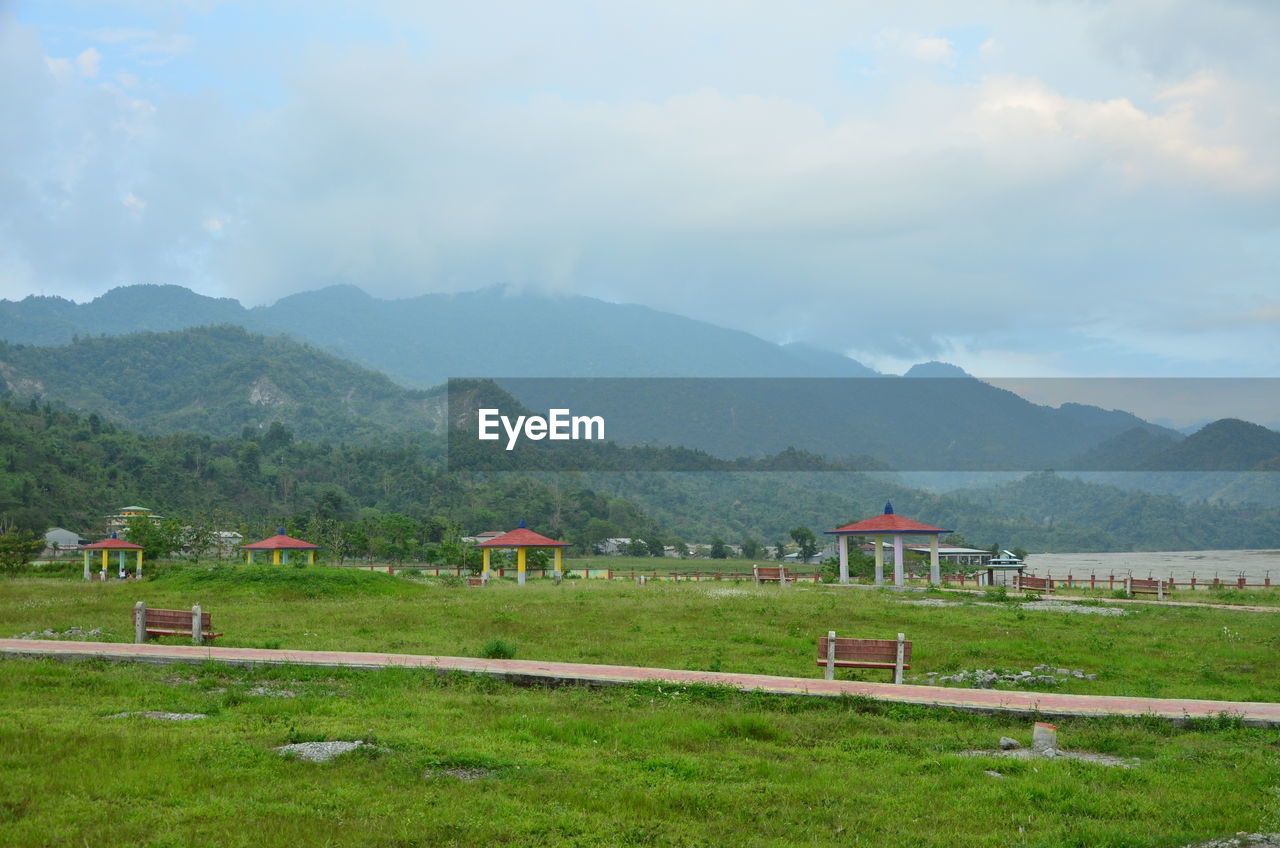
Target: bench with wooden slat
<point>476,581</point>
<point>1028,583</point>
<point>889,654</point>
<point>1135,586</point>
<point>770,574</point>
<point>149,622</point>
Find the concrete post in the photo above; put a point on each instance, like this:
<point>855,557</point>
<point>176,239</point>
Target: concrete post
<point>878,541</point>
<point>844,558</point>
<point>830,673</point>
<point>897,665</point>
<point>899,576</point>
<point>140,622</point>
<point>935,568</point>
<point>197,631</point>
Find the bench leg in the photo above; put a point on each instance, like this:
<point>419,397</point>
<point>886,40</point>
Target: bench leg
<point>830,672</point>
<point>897,664</point>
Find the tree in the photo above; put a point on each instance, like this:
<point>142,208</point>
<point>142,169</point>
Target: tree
<point>779,551</point>
<point>637,548</point>
<point>1021,553</point>
<point>750,548</point>
<point>17,549</point>
<point>718,549</point>
<point>805,541</point>
<point>158,538</point>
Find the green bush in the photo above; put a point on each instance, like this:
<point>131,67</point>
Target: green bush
<point>498,649</point>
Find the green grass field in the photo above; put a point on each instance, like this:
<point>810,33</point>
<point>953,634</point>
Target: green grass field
<point>640,765</point>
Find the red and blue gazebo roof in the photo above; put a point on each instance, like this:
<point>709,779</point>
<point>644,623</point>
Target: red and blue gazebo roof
<point>112,544</point>
<point>280,542</point>
<point>522,537</point>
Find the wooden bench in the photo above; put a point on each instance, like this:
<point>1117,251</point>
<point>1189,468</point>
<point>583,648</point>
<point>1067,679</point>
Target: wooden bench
<point>476,581</point>
<point>163,622</point>
<point>836,653</point>
<point>1035,584</point>
<point>770,574</point>
<point>1134,586</point>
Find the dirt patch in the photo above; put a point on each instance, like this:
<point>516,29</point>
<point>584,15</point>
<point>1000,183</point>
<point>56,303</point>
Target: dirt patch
<point>1056,754</point>
<point>272,692</point>
<point>1242,840</point>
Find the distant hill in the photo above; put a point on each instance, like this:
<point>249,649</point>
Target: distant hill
<point>1225,445</point>
<point>1126,451</point>
<point>218,381</point>
<point>422,341</point>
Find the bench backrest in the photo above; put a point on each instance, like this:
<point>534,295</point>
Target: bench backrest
<point>1027,582</point>
<point>769,572</point>
<point>175,619</point>
<point>866,650</point>
<point>1147,586</point>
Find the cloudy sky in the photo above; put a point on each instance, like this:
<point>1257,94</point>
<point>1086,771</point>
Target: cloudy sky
<point>1024,188</point>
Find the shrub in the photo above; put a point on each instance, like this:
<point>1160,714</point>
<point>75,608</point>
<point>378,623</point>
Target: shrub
<point>498,649</point>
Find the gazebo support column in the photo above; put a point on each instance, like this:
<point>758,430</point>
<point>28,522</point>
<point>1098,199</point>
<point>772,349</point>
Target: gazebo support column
<point>899,575</point>
<point>935,568</point>
<point>484,567</point>
<point>879,544</point>
<point>139,574</point>
<point>520,565</point>
<point>559,563</point>
<point>248,557</point>
<point>311,557</point>
<point>87,575</point>
<point>104,567</point>
<point>844,559</point>
<point>120,562</point>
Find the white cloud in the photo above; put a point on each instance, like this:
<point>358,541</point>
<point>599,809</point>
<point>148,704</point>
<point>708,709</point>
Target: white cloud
<point>923,48</point>
<point>88,62</point>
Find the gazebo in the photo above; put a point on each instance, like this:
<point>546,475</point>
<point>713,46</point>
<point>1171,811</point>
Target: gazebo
<point>522,538</point>
<point>106,546</point>
<point>280,544</point>
<point>897,527</point>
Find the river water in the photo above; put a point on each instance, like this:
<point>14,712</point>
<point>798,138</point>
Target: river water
<point>1180,565</point>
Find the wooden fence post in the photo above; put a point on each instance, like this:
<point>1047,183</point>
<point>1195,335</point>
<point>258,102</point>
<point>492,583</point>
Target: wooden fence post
<point>830,672</point>
<point>140,622</point>
<point>197,630</point>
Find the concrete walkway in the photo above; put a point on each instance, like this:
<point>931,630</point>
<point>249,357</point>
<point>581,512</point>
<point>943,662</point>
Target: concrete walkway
<point>1056,596</point>
<point>1048,704</point>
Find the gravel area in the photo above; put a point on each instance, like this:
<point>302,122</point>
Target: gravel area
<point>1037,606</point>
<point>1056,754</point>
<point>1242,840</point>
<point>460,773</point>
<point>321,752</point>
<point>69,633</point>
<point>163,716</point>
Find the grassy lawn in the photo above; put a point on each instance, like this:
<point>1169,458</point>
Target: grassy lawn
<point>726,626</point>
<point>644,765</point>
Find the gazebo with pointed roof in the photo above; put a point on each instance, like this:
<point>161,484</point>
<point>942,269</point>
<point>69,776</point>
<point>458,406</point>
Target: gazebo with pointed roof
<point>522,538</point>
<point>114,543</point>
<point>280,544</point>
<point>896,526</point>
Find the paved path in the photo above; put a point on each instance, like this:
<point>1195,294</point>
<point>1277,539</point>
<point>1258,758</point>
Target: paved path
<point>1055,596</point>
<point>1048,704</point>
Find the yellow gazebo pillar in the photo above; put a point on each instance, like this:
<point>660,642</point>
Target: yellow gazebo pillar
<point>87,575</point>
<point>559,564</point>
<point>520,565</point>
<point>138,575</point>
<point>104,565</point>
<point>275,556</point>
<point>311,557</point>
<point>484,568</point>
<point>248,557</point>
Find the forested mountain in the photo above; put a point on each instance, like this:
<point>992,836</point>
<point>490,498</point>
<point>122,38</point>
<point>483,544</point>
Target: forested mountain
<point>1226,445</point>
<point>924,423</point>
<point>422,341</point>
<point>61,468</point>
<point>217,381</point>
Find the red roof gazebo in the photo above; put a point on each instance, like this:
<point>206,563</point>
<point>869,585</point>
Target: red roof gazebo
<point>280,543</point>
<point>896,526</point>
<point>107,545</point>
<point>521,538</point>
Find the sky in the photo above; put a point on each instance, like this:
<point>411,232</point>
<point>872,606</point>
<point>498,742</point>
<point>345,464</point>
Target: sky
<point>1040,188</point>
